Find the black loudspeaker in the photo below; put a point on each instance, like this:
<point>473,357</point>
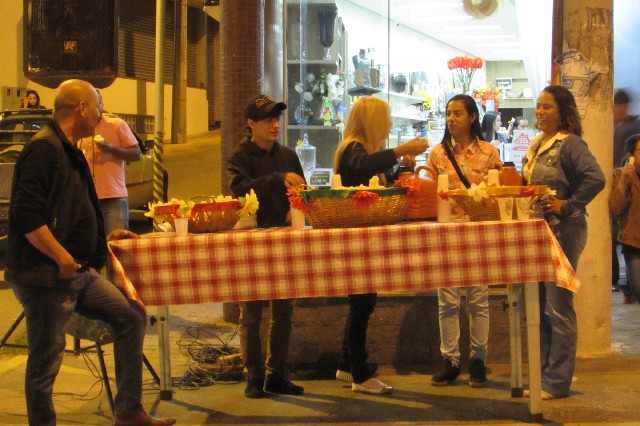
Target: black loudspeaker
<point>71,39</point>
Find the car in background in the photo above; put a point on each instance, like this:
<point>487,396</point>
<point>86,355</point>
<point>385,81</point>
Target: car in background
<point>16,129</point>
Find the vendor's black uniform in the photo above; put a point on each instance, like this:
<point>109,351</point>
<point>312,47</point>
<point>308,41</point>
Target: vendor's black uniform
<point>260,163</point>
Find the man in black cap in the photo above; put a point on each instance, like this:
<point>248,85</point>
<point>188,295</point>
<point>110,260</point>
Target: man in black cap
<point>260,163</point>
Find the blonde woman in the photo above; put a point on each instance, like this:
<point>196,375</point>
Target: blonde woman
<point>360,156</point>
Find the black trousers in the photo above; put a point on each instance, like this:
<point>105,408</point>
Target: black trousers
<point>354,352</point>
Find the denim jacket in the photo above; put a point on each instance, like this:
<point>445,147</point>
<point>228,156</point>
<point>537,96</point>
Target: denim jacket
<point>567,166</point>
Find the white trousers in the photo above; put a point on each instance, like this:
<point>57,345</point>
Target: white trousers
<point>449,319</point>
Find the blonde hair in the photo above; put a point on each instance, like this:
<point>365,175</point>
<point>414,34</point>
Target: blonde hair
<point>369,123</point>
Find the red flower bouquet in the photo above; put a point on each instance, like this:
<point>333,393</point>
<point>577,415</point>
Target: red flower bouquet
<point>296,200</point>
<point>464,68</point>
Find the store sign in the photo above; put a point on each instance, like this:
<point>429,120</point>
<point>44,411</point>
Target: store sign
<point>504,83</point>
<point>519,145</point>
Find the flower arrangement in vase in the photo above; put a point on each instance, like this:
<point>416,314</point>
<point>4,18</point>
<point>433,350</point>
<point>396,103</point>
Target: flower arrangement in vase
<point>464,68</point>
<point>488,93</point>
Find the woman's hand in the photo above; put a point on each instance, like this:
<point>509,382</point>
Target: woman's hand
<point>553,205</point>
<point>415,146</point>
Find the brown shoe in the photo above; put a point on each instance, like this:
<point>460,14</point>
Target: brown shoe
<point>140,418</point>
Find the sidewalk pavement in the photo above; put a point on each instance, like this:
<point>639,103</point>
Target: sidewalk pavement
<point>606,388</point>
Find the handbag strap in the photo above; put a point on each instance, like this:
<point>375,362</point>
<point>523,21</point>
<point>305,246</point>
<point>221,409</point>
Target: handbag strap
<point>462,177</point>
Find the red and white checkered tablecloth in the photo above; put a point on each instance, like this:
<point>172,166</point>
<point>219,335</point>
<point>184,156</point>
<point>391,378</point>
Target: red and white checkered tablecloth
<point>286,263</point>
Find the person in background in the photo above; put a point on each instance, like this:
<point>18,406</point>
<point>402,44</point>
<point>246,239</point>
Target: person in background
<point>56,243</point>
<point>106,153</point>
<point>360,156</point>
<point>518,123</point>
<point>560,159</point>
<point>32,100</point>
<point>474,157</point>
<point>625,125</point>
<point>491,123</point>
<point>624,202</point>
<point>260,163</point>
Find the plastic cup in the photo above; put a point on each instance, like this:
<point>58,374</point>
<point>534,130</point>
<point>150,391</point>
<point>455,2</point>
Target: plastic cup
<point>522,208</point>
<point>182,226</point>
<point>297,219</point>
<point>505,205</point>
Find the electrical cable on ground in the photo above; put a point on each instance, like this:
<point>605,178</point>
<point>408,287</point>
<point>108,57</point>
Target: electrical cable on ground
<point>208,363</point>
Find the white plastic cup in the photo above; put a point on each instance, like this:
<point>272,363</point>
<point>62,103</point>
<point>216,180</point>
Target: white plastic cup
<point>336,181</point>
<point>522,208</point>
<point>493,178</point>
<point>297,219</point>
<point>505,205</point>
<point>182,226</point>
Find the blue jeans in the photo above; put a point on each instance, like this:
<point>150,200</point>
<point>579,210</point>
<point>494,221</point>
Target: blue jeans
<point>558,323</point>
<point>632,262</point>
<point>47,311</point>
<point>115,212</point>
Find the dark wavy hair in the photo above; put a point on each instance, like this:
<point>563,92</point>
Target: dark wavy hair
<point>472,108</point>
<point>569,116</point>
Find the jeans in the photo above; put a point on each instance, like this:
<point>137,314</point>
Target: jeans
<point>558,323</point>
<point>632,261</point>
<point>354,351</point>
<point>115,212</point>
<point>277,340</point>
<point>47,311</point>
<point>449,319</point>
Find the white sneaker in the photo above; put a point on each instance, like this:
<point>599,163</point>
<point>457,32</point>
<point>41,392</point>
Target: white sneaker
<point>373,386</point>
<point>344,376</point>
<point>543,395</point>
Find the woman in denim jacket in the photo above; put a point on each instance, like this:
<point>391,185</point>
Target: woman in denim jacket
<point>560,159</point>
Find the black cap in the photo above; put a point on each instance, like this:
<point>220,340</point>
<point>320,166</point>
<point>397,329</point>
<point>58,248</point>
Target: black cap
<point>261,107</point>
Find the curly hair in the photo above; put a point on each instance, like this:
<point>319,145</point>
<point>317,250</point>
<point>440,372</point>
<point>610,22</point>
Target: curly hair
<point>569,116</point>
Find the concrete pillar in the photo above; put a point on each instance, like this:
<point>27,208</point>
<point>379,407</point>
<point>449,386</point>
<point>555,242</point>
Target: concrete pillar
<point>242,39</point>
<point>587,28</point>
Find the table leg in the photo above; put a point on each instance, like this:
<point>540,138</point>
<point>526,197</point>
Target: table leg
<point>164,345</point>
<point>515,339</point>
<point>532,303</point>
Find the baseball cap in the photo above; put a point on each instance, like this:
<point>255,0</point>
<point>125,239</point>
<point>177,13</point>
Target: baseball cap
<point>262,106</point>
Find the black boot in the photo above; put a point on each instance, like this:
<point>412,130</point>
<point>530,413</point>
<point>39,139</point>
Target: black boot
<point>477,373</point>
<point>447,375</point>
<point>282,385</point>
<point>255,387</point>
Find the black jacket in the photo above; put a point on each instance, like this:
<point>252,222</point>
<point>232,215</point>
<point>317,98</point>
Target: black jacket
<point>250,167</point>
<point>50,177</point>
<point>357,166</point>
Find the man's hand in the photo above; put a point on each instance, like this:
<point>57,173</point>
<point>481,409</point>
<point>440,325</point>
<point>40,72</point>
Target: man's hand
<point>291,180</point>
<point>67,268</point>
<point>121,234</point>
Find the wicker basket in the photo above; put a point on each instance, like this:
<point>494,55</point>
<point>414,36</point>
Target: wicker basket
<point>206,217</point>
<point>335,208</point>
<point>487,208</point>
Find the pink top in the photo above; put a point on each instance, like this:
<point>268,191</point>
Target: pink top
<point>107,169</point>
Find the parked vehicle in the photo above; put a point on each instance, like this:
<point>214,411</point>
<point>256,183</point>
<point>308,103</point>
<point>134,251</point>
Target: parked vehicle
<point>17,128</point>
